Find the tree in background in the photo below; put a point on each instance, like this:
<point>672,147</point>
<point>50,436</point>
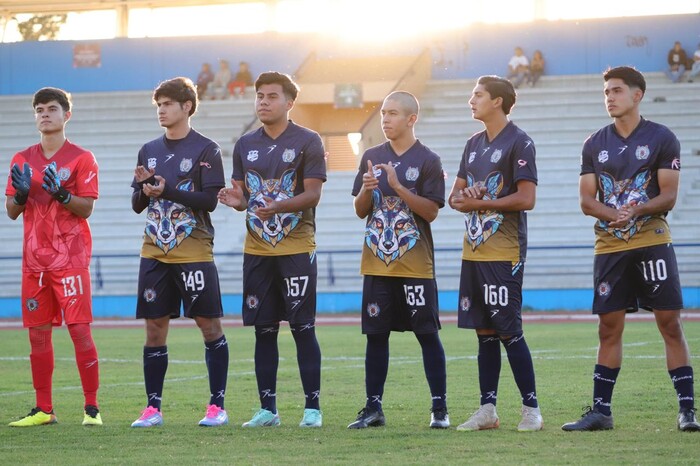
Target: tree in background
<point>41,27</point>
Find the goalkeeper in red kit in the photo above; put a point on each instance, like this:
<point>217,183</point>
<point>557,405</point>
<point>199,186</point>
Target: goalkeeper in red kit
<point>53,185</point>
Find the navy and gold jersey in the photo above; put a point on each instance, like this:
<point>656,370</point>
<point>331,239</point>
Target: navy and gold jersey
<point>399,243</point>
<point>176,233</point>
<point>498,165</point>
<point>277,168</point>
<point>626,170</point>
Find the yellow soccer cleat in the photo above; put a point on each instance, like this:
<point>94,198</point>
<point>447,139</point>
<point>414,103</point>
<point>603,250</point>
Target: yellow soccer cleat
<point>36,417</point>
<point>92,416</point>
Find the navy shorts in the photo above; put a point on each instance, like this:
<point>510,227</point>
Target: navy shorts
<point>277,288</point>
<point>165,288</point>
<point>399,304</point>
<point>490,296</point>
<point>644,278</point>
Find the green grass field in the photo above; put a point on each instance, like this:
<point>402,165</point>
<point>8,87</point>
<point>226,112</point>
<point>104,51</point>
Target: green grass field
<point>644,405</point>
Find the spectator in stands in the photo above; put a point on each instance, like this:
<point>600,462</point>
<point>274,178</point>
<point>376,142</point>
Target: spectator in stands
<point>55,199</point>
<point>401,179</point>
<point>495,185</point>
<point>204,77</point>
<point>219,86</point>
<point>677,60</point>
<point>176,180</point>
<point>242,80</point>
<point>629,182</point>
<point>278,174</point>
<point>695,69</point>
<point>536,68</point>
<point>518,68</point>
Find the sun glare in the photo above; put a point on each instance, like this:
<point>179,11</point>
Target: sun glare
<point>365,21</point>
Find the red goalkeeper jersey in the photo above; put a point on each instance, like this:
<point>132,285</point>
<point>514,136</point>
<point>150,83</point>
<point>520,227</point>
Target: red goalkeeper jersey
<point>54,237</point>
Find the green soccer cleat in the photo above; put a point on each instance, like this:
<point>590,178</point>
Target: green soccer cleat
<point>263,418</point>
<point>36,417</point>
<point>92,416</point>
<point>312,418</point>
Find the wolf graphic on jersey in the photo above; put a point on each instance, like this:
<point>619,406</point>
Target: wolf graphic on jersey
<point>275,229</point>
<point>391,230</point>
<point>481,225</point>
<point>625,192</point>
<point>169,223</point>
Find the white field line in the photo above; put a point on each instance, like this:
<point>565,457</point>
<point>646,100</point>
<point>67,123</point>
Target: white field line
<point>355,320</point>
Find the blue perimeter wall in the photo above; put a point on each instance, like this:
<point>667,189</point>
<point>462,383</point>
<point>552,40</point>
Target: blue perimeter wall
<point>535,300</point>
<point>570,47</point>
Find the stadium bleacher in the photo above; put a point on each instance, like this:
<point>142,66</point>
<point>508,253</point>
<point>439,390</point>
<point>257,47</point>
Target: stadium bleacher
<point>558,114</point>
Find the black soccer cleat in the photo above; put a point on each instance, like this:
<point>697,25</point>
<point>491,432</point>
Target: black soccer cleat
<point>592,419</point>
<point>368,417</point>
<point>687,422</point>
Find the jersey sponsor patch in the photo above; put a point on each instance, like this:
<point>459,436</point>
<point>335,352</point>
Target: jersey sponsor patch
<point>642,152</point>
<point>288,155</point>
<point>64,173</point>
<point>185,165</point>
<point>252,155</point>
<point>151,163</point>
<point>412,174</point>
<point>603,156</point>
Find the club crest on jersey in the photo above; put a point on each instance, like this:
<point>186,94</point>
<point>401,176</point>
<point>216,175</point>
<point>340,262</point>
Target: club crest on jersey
<point>412,174</point>
<point>642,152</point>
<point>252,155</point>
<point>465,303</point>
<point>472,156</point>
<point>63,173</point>
<point>603,156</point>
<point>149,294</point>
<point>288,155</point>
<point>169,223</point>
<point>373,309</point>
<point>185,165</point>
<point>496,156</point>
<point>391,229</point>
<point>481,225</point>
<point>32,304</point>
<point>604,289</point>
<point>252,301</point>
<point>151,163</point>
<point>276,228</point>
<point>625,192</point>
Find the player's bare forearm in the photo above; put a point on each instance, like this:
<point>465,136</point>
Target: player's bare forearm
<point>425,208</point>
<point>80,206</point>
<point>13,210</point>
<point>363,203</point>
<point>594,208</point>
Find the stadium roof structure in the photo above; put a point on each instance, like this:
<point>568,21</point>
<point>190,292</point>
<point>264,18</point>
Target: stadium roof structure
<point>62,6</point>
<point>10,8</point>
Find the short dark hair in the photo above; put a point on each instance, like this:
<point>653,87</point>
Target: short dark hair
<point>628,74</point>
<point>180,90</point>
<point>48,94</point>
<point>289,87</point>
<point>499,87</point>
